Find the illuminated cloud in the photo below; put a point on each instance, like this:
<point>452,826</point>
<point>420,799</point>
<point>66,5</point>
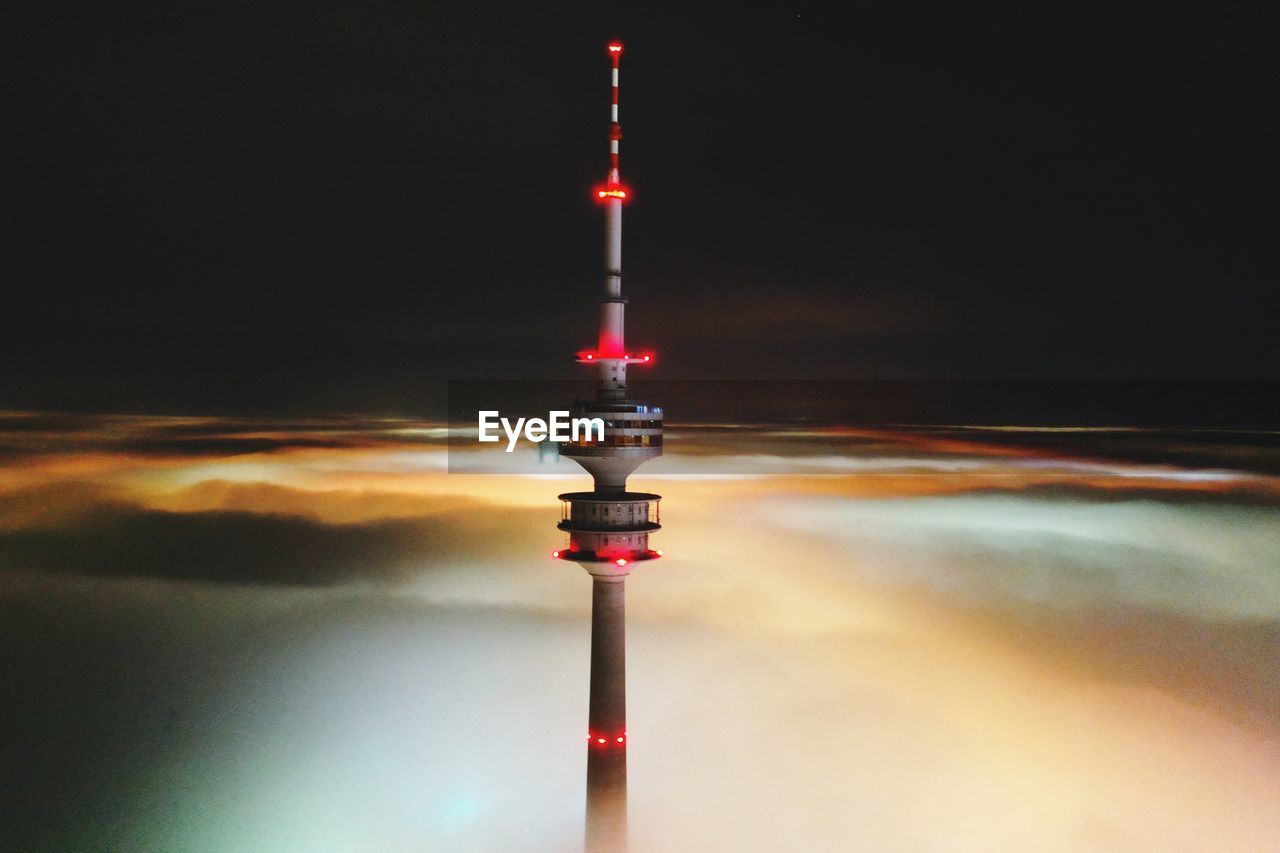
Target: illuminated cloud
<point>314,637</point>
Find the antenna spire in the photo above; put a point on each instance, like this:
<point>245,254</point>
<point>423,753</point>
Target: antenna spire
<point>615,129</point>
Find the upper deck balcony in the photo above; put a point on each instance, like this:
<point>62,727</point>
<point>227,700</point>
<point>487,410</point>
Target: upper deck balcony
<point>629,512</point>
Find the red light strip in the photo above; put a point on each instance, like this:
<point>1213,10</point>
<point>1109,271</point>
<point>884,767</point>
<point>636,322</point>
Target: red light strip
<point>604,741</point>
<point>591,355</point>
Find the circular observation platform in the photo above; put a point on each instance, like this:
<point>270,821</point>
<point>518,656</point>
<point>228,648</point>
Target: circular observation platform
<point>604,512</point>
<point>608,531</point>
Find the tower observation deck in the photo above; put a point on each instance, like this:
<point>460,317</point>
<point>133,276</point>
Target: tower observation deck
<point>608,528</point>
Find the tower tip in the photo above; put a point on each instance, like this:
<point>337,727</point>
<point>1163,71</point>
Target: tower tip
<point>615,47</point>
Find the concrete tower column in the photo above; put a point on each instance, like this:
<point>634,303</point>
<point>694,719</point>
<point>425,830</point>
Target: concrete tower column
<point>607,761</point>
<point>611,345</point>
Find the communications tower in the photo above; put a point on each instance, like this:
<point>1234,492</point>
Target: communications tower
<point>609,527</point>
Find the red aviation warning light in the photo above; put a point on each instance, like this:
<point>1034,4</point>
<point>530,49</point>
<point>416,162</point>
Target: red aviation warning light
<point>592,356</point>
<point>622,738</point>
<point>615,47</point>
<point>617,191</point>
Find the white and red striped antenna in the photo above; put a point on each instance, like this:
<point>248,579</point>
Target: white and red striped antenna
<point>613,187</point>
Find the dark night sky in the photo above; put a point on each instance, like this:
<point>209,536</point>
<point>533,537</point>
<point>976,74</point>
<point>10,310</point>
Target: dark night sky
<point>338,205</point>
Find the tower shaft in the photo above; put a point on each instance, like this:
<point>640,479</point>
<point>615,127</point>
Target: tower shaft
<point>607,762</point>
<point>612,343</point>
